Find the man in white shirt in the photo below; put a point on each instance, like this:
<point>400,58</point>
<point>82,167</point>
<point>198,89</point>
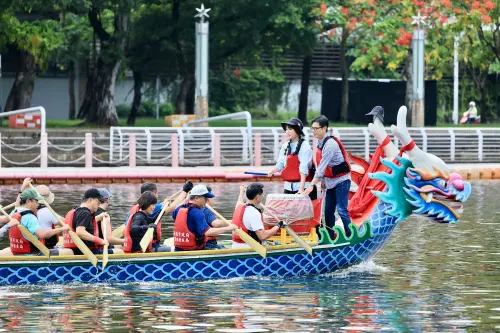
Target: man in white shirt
<point>249,218</point>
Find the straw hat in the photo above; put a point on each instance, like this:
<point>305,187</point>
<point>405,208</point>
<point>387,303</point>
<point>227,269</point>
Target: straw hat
<point>45,192</point>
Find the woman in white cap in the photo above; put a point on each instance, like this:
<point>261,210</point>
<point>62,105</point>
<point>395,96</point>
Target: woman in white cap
<point>101,213</point>
<point>295,160</point>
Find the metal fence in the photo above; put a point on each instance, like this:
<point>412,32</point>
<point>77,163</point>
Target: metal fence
<point>195,146</point>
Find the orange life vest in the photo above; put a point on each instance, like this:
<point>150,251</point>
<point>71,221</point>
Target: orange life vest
<point>238,221</point>
<point>19,244</point>
<point>291,172</point>
<point>68,242</point>
<point>184,239</point>
<point>337,170</point>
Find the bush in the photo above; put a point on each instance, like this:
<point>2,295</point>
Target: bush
<point>146,110</point>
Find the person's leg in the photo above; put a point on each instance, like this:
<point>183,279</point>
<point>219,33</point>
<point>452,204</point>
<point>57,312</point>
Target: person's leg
<point>162,248</point>
<point>342,191</point>
<point>61,251</point>
<point>115,251</point>
<point>289,192</point>
<point>330,199</point>
<point>6,252</point>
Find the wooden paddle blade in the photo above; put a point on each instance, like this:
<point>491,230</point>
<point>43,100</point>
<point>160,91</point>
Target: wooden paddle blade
<point>118,232</point>
<point>104,228</point>
<point>83,248</point>
<point>105,256</point>
<point>299,240</point>
<point>252,243</point>
<point>29,236</point>
<point>148,237</point>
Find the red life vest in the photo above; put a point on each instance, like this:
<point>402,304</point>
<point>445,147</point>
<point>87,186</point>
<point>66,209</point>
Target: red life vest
<point>127,236</point>
<point>51,241</point>
<point>184,239</point>
<point>68,242</point>
<point>337,170</point>
<point>291,172</point>
<point>19,244</point>
<point>238,221</point>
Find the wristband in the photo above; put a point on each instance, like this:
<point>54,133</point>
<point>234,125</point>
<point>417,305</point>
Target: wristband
<point>98,241</point>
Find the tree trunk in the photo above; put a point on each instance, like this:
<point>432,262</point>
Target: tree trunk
<point>137,98</point>
<point>71,89</point>
<point>100,108</point>
<point>409,82</point>
<point>181,106</point>
<point>344,73</point>
<point>304,88</point>
<point>21,93</point>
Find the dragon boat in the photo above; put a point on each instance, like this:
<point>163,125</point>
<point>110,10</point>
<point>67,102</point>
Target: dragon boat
<point>394,185</point>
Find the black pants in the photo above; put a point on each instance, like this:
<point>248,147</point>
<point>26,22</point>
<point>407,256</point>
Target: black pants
<point>313,195</point>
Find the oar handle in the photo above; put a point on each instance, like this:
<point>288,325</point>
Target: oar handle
<point>218,215</point>
<point>256,173</point>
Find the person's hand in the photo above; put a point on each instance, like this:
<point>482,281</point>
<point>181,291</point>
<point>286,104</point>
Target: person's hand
<point>13,222</point>
<point>105,242</point>
<point>243,188</point>
<point>152,225</point>
<point>307,190</point>
<point>65,228</point>
<point>301,190</point>
<point>270,173</point>
<point>188,186</point>
<point>26,183</point>
<point>281,224</point>
<point>232,227</point>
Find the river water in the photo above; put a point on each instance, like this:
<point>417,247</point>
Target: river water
<point>428,278</point>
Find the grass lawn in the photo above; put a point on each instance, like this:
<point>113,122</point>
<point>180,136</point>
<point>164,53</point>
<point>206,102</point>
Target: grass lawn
<point>150,122</point>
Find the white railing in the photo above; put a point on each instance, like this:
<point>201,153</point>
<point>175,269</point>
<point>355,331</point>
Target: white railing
<point>209,146</point>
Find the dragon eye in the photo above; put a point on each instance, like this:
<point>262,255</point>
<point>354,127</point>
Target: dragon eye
<point>443,184</point>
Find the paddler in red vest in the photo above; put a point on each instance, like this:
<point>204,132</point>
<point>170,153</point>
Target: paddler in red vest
<point>138,225</point>
<point>82,221</point>
<point>26,215</point>
<point>249,218</point>
<point>190,227</point>
<point>294,160</point>
<point>213,222</point>
<point>333,168</point>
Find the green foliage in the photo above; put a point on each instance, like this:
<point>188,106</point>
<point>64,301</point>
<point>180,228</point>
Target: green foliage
<point>251,91</point>
<point>147,109</point>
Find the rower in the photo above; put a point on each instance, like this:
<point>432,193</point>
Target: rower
<point>295,160</point>
<point>101,213</point>
<point>151,187</point>
<point>190,227</point>
<point>138,225</point>
<point>26,215</point>
<point>82,221</point>
<point>249,218</point>
<point>213,222</point>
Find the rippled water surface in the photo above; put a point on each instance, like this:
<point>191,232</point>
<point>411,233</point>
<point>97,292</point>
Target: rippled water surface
<point>428,278</point>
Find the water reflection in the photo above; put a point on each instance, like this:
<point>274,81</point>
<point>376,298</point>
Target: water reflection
<point>431,278</point>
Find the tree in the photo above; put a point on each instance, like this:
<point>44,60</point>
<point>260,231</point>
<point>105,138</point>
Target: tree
<point>110,22</point>
<point>32,30</point>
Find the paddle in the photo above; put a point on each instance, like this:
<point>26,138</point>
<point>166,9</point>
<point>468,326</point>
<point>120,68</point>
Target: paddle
<point>256,173</point>
<point>292,233</point>
<point>118,232</point>
<point>148,236</point>
<point>74,237</point>
<point>9,206</point>
<point>29,236</point>
<point>243,235</point>
<point>104,228</point>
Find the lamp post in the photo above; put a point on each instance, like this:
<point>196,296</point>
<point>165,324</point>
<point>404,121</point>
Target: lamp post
<point>201,73</point>
<point>418,42</point>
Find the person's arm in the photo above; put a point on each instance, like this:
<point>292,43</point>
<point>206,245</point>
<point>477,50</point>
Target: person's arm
<point>241,197</point>
<point>83,221</point>
<point>305,158</point>
<point>327,154</point>
<point>47,233</point>
<point>6,227</point>
<point>137,228</point>
<point>4,219</point>
<point>280,164</point>
<point>265,234</point>
<point>218,231</point>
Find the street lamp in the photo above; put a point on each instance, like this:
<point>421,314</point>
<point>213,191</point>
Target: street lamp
<point>418,44</point>
<point>201,73</point>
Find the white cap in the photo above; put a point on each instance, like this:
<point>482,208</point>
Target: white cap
<point>201,190</point>
<point>472,103</point>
